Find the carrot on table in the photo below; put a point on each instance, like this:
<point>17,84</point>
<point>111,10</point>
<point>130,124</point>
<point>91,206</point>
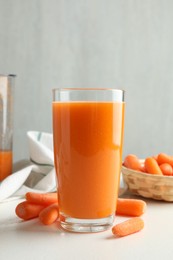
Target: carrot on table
<point>131,161</point>
<point>166,169</point>
<point>152,166</point>
<point>164,158</point>
<point>49,214</point>
<point>27,210</point>
<point>128,227</point>
<point>130,207</point>
<point>41,198</point>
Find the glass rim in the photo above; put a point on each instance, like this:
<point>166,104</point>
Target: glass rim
<point>90,89</point>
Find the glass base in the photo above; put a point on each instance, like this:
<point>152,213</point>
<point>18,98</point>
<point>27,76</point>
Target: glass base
<point>86,225</point>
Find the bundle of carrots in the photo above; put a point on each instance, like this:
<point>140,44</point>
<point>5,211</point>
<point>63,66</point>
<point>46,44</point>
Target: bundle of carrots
<point>133,208</point>
<point>45,207</point>
<point>41,205</point>
<point>161,164</point>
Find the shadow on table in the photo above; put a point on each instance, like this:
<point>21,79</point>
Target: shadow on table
<point>34,226</point>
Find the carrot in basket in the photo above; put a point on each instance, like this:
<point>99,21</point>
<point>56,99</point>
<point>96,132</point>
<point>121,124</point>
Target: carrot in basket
<point>49,214</point>
<point>166,169</point>
<point>143,168</point>
<point>41,198</point>
<point>164,158</point>
<point>131,161</point>
<point>27,210</point>
<point>130,207</point>
<point>128,227</point>
<point>155,157</point>
<point>152,166</point>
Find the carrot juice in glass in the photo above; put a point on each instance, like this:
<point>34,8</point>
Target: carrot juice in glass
<point>88,129</point>
<point>6,125</point>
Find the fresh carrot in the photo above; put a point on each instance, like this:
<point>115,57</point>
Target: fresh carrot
<point>27,210</point>
<point>155,157</point>
<point>152,166</point>
<point>131,161</point>
<point>128,227</point>
<point>166,169</point>
<point>164,158</point>
<point>130,207</point>
<point>45,199</point>
<point>49,214</point>
<point>143,168</point>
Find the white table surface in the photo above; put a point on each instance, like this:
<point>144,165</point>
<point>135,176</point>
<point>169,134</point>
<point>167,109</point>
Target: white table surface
<point>31,240</point>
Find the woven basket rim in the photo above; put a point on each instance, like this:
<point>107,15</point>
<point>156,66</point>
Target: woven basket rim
<point>145,174</point>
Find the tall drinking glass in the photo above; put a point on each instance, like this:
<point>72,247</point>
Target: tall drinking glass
<point>88,129</point>
<point>6,124</point>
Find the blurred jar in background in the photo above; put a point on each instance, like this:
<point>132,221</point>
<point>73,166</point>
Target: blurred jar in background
<point>6,125</point>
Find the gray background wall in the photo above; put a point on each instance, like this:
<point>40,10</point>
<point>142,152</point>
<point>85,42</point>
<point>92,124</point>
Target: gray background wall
<point>91,43</point>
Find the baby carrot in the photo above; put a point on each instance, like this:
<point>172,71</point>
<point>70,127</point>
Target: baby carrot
<point>128,227</point>
<point>41,198</point>
<point>155,157</point>
<point>164,158</point>
<point>131,161</point>
<point>49,214</point>
<point>152,166</point>
<point>166,169</point>
<point>130,207</point>
<point>143,168</point>
<point>26,210</point>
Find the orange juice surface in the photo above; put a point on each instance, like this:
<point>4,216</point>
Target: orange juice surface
<point>88,149</point>
<point>5,164</point>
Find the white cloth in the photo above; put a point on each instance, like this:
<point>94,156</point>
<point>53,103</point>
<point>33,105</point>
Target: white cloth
<point>39,173</point>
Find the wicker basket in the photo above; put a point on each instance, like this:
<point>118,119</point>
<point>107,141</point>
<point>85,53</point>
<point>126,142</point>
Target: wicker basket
<point>148,185</point>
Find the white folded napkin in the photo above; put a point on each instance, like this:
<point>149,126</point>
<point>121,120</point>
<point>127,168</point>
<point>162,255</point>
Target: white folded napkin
<point>38,174</point>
